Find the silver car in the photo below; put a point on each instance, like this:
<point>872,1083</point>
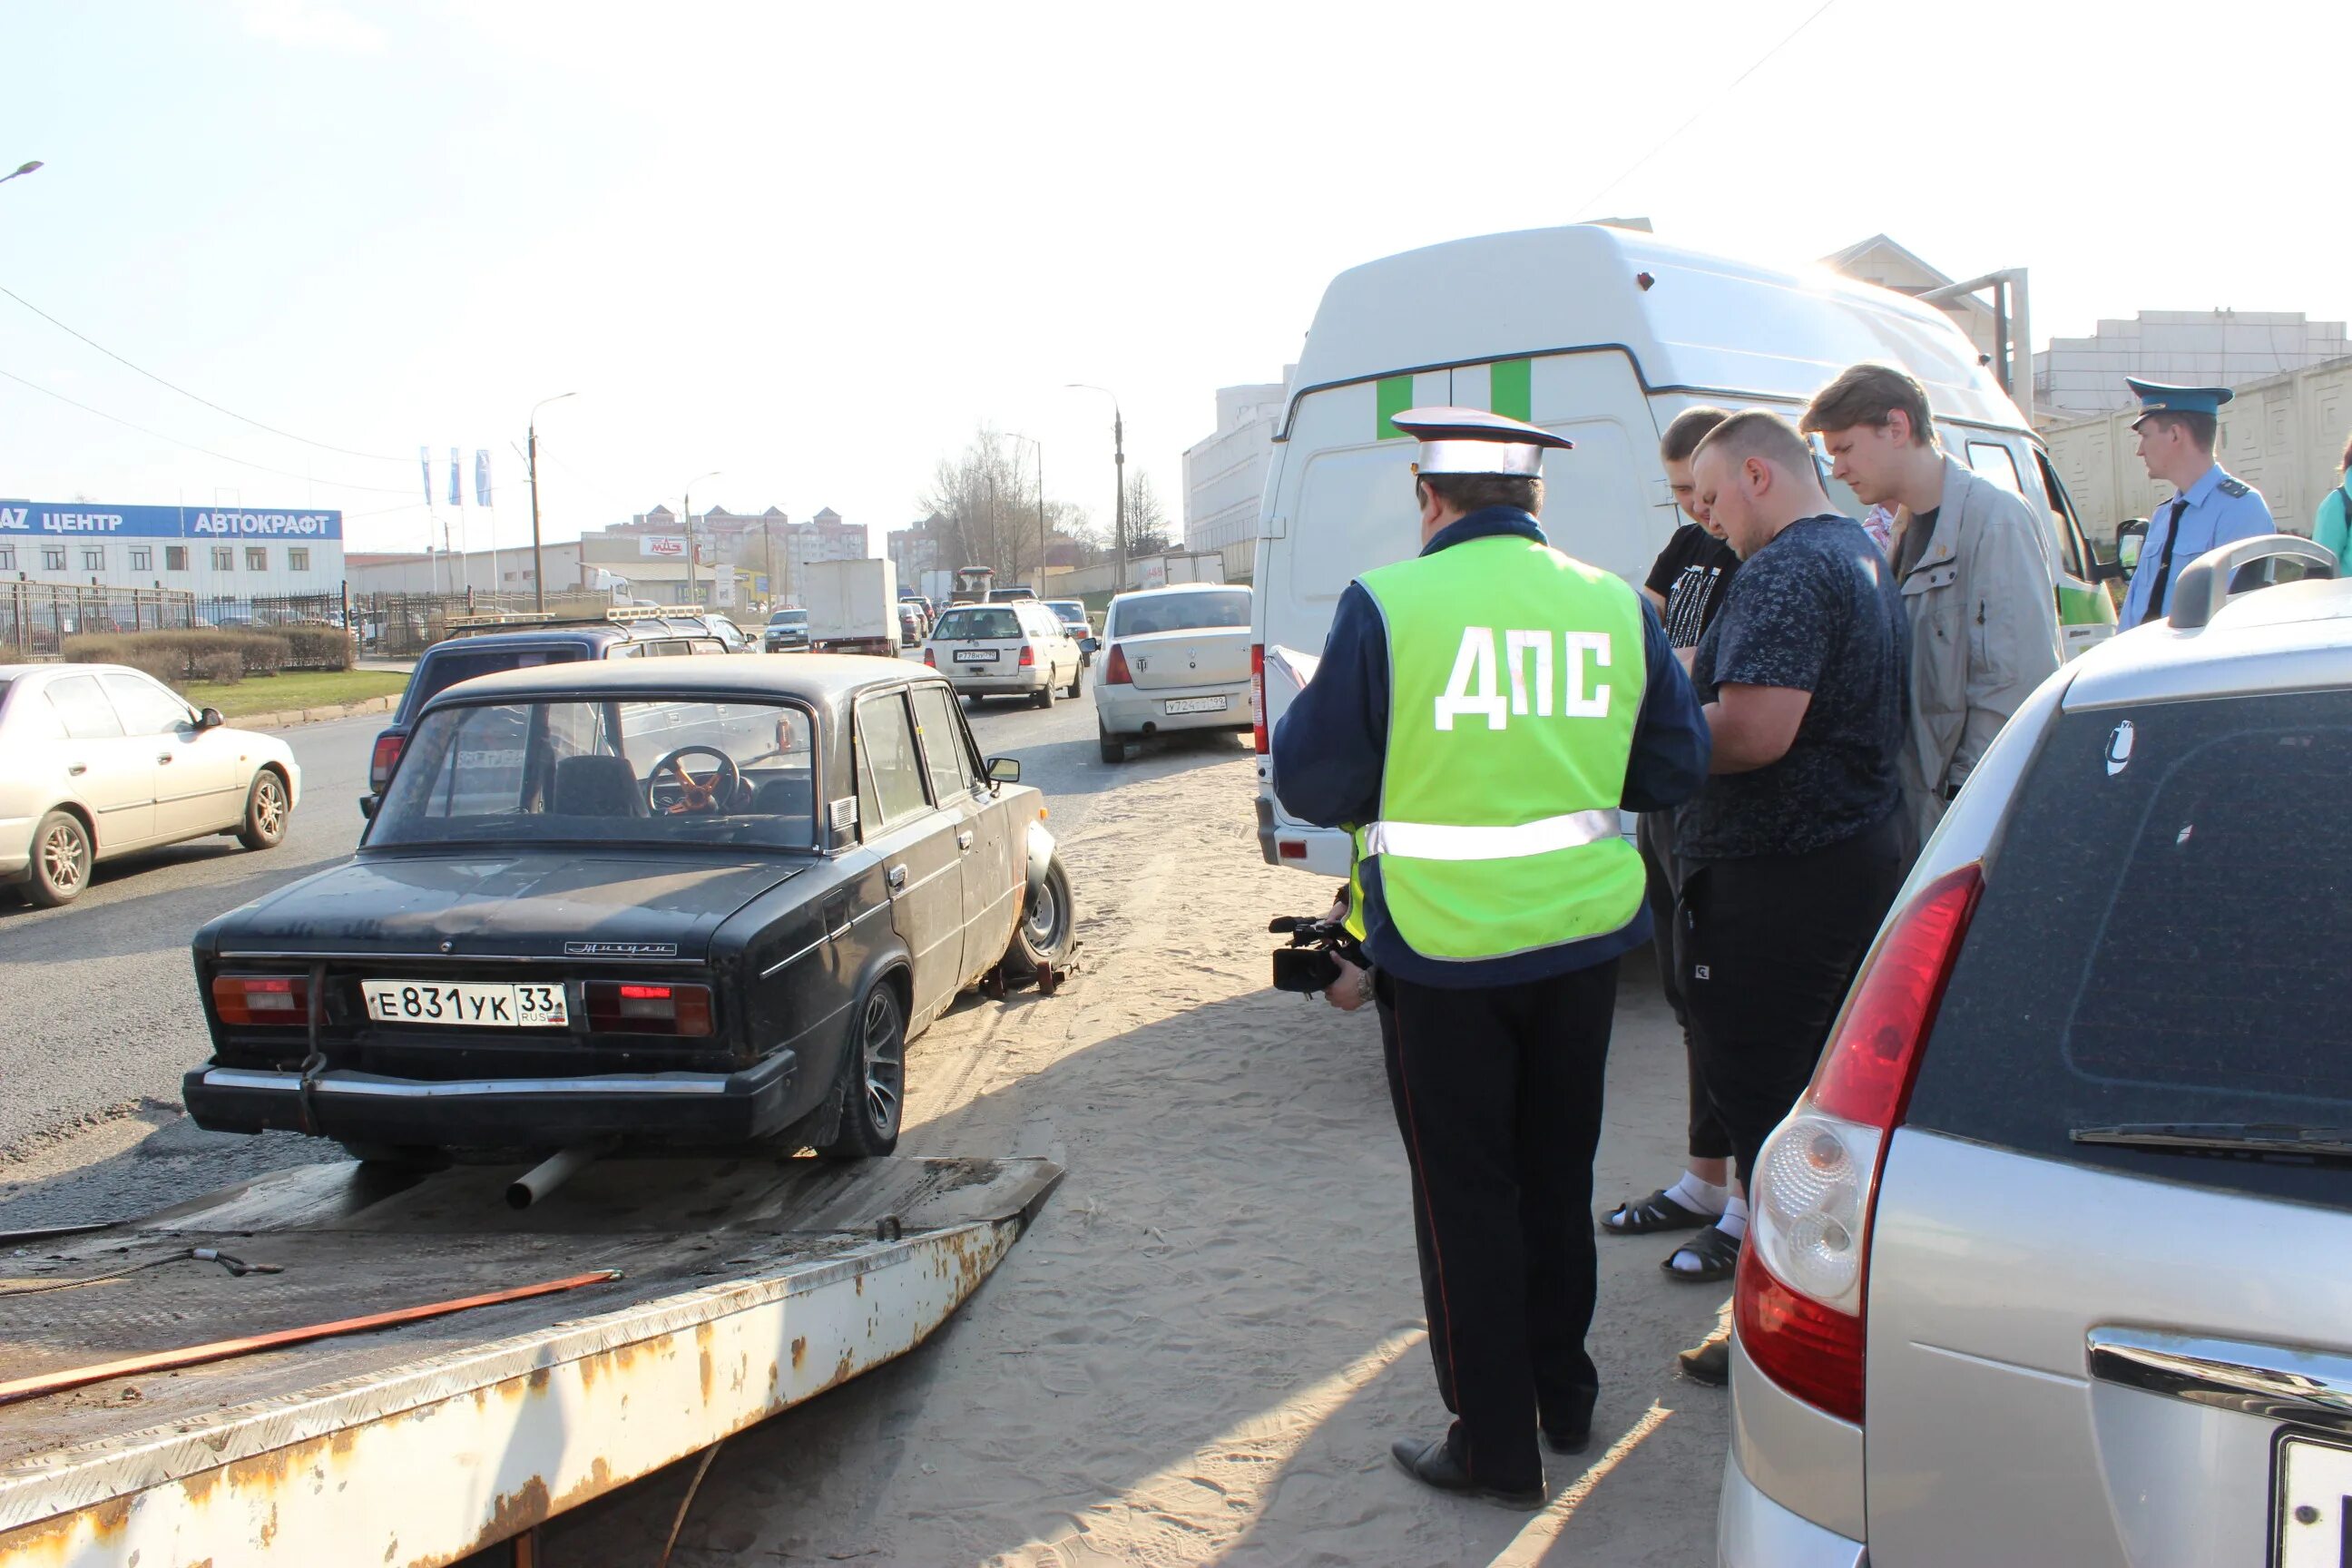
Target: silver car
<point>2053,1262</point>
<point>1174,658</point>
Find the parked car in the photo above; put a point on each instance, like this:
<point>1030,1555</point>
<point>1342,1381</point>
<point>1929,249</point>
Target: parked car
<point>487,650</point>
<point>910,626</point>
<point>2049,1264</point>
<point>1075,621</point>
<point>98,760</point>
<point>1006,650</point>
<point>695,903</point>
<point>1174,658</point>
<point>786,632</point>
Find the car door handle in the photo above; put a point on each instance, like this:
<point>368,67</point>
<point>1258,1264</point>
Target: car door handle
<point>76,771</point>
<point>897,879</point>
<point>963,839</point>
<point>164,758</point>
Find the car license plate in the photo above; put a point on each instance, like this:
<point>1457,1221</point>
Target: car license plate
<point>2315,1491</point>
<point>466,1003</point>
<point>975,656</point>
<point>1198,704</point>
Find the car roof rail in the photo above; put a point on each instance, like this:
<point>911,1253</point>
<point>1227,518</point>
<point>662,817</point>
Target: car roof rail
<point>2205,583</point>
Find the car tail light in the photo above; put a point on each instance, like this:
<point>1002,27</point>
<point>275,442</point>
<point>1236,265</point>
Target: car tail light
<point>1115,669</point>
<point>383,759</point>
<point>1028,657</point>
<point>1802,1302</point>
<point>632,1007</point>
<point>1257,696</point>
<point>245,1000</point>
<point>930,658</point>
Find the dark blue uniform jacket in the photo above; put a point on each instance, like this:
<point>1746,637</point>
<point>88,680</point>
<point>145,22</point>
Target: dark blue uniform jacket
<point>1330,745</point>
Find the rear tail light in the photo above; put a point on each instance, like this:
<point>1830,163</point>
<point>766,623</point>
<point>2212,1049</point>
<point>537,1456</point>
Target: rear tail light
<point>1257,696</point>
<point>245,1000</point>
<point>1115,670</point>
<point>1028,657</point>
<point>930,658</point>
<point>1802,1298</point>
<point>632,1007</point>
<point>383,759</point>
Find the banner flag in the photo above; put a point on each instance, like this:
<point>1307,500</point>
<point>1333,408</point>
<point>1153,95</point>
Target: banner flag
<point>424,467</point>
<point>456,485</point>
<point>482,477</point>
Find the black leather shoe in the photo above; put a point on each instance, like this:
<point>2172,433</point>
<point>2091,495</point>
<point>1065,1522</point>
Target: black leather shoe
<point>1568,1442</point>
<point>1433,1464</point>
<point>1708,1362</point>
<point>1571,1430</point>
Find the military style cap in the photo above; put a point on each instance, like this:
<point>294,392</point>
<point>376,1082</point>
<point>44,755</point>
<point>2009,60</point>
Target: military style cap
<point>2156,397</point>
<point>1472,441</point>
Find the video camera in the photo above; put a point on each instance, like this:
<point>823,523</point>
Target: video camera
<point>1310,963</point>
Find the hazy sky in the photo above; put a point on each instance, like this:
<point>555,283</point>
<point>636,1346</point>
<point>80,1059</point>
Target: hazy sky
<point>816,247</point>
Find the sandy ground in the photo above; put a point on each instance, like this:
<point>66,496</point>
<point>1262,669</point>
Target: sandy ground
<point>1202,1350</point>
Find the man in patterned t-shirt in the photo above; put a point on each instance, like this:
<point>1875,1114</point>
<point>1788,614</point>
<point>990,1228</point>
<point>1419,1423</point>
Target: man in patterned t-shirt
<point>1795,849</point>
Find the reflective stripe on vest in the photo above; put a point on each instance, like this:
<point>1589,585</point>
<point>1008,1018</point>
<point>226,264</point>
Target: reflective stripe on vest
<point>1442,841</point>
<point>1516,676</point>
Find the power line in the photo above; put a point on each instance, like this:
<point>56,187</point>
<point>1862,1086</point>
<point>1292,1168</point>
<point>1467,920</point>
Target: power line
<point>206,451</point>
<point>1710,103</point>
<point>288,435</point>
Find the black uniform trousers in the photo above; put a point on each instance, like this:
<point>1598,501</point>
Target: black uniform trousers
<point>1497,1096</point>
<point>1766,946</point>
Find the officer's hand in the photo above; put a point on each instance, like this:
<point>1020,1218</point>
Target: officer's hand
<point>1351,990</point>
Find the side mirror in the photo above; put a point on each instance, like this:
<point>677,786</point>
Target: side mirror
<point>1005,769</point>
<point>2129,535</point>
<point>210,719</point>
<point>367,804</point>
<point>1090,645</point>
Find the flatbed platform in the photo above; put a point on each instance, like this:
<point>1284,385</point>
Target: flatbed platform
<point>744,1286</point>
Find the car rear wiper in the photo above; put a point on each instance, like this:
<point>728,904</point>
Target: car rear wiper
<point>2224,1138</point>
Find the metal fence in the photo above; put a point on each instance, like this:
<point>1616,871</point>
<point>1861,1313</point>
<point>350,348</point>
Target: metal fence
<point>401,626</point>
<point>35,617</point>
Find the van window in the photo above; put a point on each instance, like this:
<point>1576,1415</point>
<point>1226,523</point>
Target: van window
<point>2155,943</point>
<point>2073,548</point>
<point>1992,461</point>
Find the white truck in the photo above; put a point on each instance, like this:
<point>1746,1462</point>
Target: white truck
<point>341,1364</point>
<point>1604,335</point>
<point>853,606</point>
<point>1175,566</point>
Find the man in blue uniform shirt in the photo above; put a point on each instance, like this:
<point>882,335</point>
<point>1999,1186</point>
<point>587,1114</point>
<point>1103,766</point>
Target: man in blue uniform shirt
<point>1496,896</point>
<point>2208,508</point>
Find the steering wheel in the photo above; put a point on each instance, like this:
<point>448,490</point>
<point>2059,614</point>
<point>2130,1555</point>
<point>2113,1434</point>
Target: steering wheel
<point>693,796</point>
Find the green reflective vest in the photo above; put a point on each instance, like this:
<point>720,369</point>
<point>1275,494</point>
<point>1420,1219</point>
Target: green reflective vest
<point>1514,682</point>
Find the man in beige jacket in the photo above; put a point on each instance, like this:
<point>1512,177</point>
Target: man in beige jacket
<point>1978,587</point>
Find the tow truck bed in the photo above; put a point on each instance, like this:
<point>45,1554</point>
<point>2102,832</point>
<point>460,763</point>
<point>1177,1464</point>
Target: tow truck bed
<point>746,1287</point>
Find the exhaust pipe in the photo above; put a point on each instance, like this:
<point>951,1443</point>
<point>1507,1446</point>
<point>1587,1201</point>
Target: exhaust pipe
<point>549,1174</point>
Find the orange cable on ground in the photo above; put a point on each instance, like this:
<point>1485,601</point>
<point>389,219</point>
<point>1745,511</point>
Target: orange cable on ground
<point>223,1350</point>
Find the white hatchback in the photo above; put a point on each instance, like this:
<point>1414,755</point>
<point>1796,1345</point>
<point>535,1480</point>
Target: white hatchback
<point>1019,650</point>
<point>97,760</point>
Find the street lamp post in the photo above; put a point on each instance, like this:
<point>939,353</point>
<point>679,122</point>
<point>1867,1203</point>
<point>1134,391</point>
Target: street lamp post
<point>1119,465</point>
<point>685,498</point>
<point>1041,505</point>
<point>538,574</point>
<point>25,168</point>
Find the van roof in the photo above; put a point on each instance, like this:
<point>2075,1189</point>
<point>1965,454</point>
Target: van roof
<point>1707,324</point>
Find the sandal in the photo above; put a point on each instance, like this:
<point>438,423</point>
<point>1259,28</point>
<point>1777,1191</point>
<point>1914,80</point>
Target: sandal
<point>1717,1253</point>
<point>1659,1211</point>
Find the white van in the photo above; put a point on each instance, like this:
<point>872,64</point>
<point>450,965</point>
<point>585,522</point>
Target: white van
<point>1604,335</point>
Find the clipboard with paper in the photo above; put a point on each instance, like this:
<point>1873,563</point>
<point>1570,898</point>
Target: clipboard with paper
<point>1292,666</point>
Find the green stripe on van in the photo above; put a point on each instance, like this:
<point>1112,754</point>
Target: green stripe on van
<point>2084,606</point>
<point>1511,393</point>
<point>1394,397</point>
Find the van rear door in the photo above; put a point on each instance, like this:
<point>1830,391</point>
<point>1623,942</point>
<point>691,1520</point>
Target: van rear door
<point>1340,502</point>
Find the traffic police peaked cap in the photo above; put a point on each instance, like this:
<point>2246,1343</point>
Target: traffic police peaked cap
<point>2156,397</point>
<point>1472,441</point>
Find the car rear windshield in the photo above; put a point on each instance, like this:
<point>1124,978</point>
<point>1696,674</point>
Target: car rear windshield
<point>789,619</point>
<point>1180,613</point>
<point>2163,939</point>
<point>580,771</point>
<point>444,670</point>
<point>977,625</point>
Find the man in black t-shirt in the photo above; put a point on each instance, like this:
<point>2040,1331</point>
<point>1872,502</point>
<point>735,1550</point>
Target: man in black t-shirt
<point>1796,847</point>
<point>1686,585</point>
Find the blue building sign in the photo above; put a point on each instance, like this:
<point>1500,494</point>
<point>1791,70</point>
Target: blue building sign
<point>90,520</point>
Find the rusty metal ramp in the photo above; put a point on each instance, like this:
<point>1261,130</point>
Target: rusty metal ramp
<point>683,1299</point>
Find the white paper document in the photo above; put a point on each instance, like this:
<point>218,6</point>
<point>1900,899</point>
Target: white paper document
<point>1292,666</point>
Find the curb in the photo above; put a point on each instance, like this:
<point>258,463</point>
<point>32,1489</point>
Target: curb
<point>291,717</point>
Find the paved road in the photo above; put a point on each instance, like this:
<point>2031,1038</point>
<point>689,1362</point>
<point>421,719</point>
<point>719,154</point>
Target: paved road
<point>99,1006</point>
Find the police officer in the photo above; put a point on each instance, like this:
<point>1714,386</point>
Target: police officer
<point>2210,508</point>
<point>1480,715</point>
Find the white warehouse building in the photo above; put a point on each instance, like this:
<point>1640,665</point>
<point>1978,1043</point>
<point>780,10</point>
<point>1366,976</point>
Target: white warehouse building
<point>211,551</point>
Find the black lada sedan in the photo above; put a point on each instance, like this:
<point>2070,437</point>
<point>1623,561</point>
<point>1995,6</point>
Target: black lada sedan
<point>677,903</point>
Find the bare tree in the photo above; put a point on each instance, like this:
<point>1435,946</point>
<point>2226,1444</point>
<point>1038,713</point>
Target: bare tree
<point>1147,519</point>
<point>989,498</point>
